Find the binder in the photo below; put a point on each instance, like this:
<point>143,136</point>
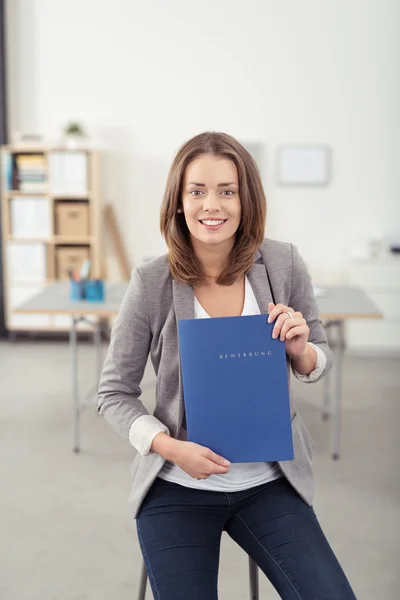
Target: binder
<point>236,391</point>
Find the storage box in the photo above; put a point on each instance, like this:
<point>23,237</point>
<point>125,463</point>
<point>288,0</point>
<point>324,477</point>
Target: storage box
<point>70,258</point>
<point>72,219</point>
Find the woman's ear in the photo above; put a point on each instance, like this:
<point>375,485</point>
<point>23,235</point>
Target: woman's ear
<point>180,210</point>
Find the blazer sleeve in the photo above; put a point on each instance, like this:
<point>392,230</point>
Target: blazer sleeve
<point>302,299</point>
<point>119,389</point>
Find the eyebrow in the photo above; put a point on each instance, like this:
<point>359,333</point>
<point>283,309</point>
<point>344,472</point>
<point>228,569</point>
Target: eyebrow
<point>219,185</point>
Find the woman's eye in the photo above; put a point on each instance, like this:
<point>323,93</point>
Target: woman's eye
<point>228,192</point>
<point>196,192</point>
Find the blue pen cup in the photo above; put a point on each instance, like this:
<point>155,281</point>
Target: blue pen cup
<point>90,290</point>
<point>95,290</point>
<point>77,291</point>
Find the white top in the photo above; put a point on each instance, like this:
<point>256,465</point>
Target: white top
<point>241,476</point>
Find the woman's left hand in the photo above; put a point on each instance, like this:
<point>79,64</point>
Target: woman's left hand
<point>293,330</point>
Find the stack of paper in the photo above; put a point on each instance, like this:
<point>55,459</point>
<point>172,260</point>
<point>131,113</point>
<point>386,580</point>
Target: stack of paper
<point>68,173</point>
<point>30,217</point>
<point>26,262</point>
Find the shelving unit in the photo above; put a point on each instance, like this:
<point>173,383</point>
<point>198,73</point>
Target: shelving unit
<point>59,194</point>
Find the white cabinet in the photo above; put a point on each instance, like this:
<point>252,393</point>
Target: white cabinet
<point>381,281</point>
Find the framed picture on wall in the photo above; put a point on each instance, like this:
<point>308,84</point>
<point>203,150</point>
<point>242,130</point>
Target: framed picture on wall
<point>304,165</point>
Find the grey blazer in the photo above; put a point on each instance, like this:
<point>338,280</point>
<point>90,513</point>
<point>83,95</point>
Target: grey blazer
<point>147,322</point>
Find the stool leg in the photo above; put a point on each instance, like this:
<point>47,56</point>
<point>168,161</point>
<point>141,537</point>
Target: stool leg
<point>143,583</point>
<point>253,576</point>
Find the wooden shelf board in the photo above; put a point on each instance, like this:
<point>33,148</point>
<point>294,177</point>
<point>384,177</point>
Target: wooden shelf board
<point>48,194</point>
<point>43,149</point>
<point>70,240</point>
<point>70,196</point>
<point>55,239</point>
<point>12,193</point>
<point>25,149</point>
<point>29,240</point>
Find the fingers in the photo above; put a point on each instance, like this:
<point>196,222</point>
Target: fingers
<point>300,331</point>
<point>215,458</point>
<point>294,327</point>
<point>275,310</point>
<point>214,469</point>
<point>284,323</point>
<point>211,469</point>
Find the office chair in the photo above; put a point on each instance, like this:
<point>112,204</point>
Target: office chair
<point>253,580</point>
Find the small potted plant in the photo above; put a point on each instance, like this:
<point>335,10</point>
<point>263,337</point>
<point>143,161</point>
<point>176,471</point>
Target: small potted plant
<point>74,134</point>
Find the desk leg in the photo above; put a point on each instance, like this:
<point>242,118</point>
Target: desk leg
<point>337,395</point>
<point>327,397</point>
<point>75,387</point>
<point>99,354</point>
<point>327,381</point>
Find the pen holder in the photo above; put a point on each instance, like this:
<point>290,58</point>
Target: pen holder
<point>87,289</point>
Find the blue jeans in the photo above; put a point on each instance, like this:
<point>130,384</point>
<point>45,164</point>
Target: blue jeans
<point>180,531</point>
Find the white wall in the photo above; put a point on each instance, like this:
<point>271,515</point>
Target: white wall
<point>144,76</point>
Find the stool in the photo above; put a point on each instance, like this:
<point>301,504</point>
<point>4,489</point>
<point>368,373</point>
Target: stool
<point>253,580</point>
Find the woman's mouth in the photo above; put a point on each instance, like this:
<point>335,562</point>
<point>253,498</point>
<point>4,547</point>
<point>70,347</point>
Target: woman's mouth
<point>213,224</point>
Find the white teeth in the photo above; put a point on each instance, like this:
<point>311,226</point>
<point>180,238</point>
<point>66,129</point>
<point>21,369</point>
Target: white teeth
<point>212,223</point>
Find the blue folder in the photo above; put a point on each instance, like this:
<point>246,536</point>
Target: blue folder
<point>236,388</point>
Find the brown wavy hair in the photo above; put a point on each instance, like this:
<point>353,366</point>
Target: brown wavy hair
<point>184,264</point>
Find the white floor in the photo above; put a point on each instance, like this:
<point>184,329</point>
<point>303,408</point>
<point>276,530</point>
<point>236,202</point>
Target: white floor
<point>65,531</point>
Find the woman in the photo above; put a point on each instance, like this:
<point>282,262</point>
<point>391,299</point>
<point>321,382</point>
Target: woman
<point>184,495</point>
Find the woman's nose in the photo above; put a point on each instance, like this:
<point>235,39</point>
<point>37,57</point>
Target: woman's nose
<point>211,201</point>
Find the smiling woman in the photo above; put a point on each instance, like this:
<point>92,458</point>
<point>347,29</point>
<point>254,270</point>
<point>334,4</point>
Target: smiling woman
<point>213,196</point>
<point>184,494</point>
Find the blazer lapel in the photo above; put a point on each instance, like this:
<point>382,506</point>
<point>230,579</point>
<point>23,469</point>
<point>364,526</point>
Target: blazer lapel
<point>183,300</point>
<point>260,284</point>
<point>183,297</point>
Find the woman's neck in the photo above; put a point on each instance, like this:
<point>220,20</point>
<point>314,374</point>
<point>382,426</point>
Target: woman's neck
<point>212,257</point>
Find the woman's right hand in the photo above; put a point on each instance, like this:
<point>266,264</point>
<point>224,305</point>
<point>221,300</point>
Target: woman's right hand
<point>197,461</point>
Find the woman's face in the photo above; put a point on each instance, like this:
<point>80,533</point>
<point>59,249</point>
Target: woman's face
<point>210,199</point>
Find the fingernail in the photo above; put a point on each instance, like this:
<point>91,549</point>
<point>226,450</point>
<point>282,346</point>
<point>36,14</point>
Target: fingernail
<point>226,463</point>
<point>274,334</point>
<point>269,319</point>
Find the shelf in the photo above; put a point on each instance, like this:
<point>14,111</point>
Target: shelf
<point>56,239</point>
<point>29,240</point>
<point>12,193</point>
<point>26,149</point>
<point>70,196</point>
<point>70,240</point>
